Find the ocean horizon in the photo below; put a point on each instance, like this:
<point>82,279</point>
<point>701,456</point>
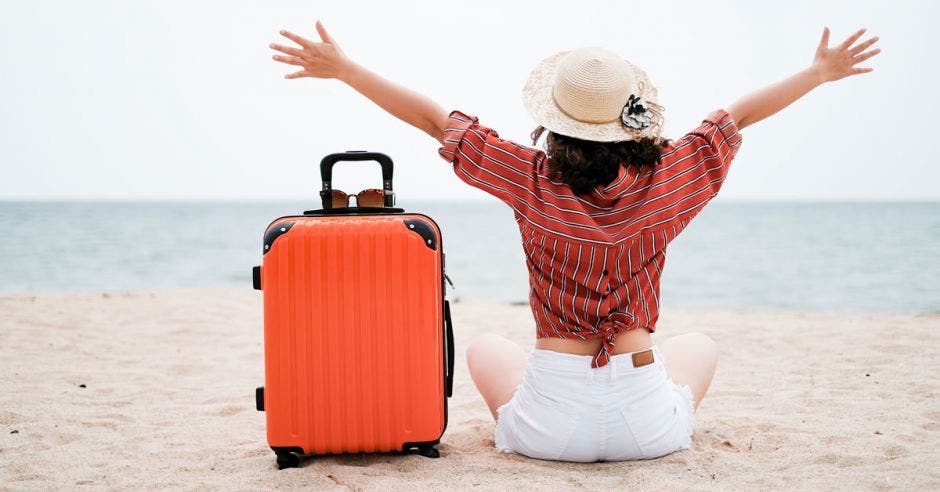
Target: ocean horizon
<point>849,256</point>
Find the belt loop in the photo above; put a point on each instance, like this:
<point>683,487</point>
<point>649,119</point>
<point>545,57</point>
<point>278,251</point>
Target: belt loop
<point>590,375</point>
<point>613,369</point>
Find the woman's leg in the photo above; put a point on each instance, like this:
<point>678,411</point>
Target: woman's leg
<point>691,360</point>
<point>496,366</point>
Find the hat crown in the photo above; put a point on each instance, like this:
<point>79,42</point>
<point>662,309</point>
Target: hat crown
<point>592,85</point>
<point>583,94</point>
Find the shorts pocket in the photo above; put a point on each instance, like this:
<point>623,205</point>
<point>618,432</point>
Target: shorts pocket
<point>656,424</point>
<point>538,426</point>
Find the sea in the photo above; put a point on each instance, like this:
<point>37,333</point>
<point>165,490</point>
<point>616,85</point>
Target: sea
<point>851,257</point>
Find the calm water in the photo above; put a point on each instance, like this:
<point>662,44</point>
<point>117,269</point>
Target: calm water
<point>860,257</point>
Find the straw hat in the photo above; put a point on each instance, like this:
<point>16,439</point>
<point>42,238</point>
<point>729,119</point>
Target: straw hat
<point>593,94</point>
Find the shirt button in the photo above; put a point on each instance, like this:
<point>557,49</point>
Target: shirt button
<point>605,271</point>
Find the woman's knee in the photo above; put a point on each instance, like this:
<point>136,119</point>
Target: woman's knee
<point>697,341</point>
<point>705,346</point>
<point>703,341</point>
<point>691,360</point>
<point>694,349</point>
<point>482,345</point>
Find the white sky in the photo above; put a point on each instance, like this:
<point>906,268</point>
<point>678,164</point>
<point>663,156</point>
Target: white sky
<point>176,99</point>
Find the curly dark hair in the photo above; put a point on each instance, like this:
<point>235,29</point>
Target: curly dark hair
<point>583,164</point>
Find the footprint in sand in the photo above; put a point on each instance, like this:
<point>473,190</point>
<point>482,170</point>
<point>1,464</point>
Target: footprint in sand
<point>894,451</point>
<point>229,411</point>
<point>835,439</point>
<point>107,425</point>
<point>116,404</point>
<point>66,438</point>
<point>7,418</point>
<point>23,473</point>
<point>112,421</point>
<point>186,369</point>
<point>891,349</point>
<point>256,452</point>
<point>846,460</point>
<point>931,426</point>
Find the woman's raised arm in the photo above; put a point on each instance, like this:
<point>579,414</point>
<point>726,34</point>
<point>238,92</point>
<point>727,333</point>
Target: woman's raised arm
<point>325,60</point>
<point>828,65</point>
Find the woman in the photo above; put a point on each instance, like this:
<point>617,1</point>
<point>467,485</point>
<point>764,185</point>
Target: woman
<point>596,210</point>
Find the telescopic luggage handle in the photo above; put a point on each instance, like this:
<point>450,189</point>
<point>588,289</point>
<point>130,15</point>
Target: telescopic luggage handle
<point>326,173</point>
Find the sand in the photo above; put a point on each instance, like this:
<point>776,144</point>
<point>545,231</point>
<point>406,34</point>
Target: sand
<point>155,390</point>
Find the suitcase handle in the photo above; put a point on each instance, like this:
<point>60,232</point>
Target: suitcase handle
<point>449,381</point>
<point>326,172</point>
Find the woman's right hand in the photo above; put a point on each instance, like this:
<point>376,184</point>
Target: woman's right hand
<point>323,60</point>
<point>839,62</point>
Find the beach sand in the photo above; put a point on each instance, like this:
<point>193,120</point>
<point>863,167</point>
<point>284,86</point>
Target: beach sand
<point>156,390</point>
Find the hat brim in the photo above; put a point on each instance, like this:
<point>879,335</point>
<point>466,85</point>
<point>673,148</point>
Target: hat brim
<point>540,104</point>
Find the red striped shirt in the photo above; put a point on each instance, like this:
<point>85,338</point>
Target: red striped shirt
<point>595,260</point>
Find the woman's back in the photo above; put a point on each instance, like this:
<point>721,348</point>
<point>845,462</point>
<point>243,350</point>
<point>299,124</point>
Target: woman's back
<point>595,259</point>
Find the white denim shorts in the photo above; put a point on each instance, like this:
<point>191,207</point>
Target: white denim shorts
<point>565,410</point>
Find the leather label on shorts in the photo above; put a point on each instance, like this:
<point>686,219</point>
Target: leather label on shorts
<point>643,358</point>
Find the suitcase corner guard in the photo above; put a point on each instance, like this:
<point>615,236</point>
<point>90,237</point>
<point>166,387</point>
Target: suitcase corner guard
<point>274,232</point>
<point>424,230</point>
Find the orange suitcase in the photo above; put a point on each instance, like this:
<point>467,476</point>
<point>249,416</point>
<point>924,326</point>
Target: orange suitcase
<point>358,342</point>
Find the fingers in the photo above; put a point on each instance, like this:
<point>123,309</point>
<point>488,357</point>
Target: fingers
<point>858,70</point>
<point>290,60</point>
<point>852,39</point>
<point>866,55</point>
<point>324,36</point>
<point>287,50</point>
<point>296,75</point>
<point>862,46</point>
<point>824,42</point>
<point>306,43</point>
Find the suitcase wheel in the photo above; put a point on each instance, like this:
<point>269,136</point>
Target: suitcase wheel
<point>287,457</point>
<point>429,452</point>
<point>288,460</point>
<point>427,449</point>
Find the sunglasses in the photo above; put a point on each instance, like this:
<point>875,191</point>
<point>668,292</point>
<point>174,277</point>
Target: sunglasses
<point>372,197</point>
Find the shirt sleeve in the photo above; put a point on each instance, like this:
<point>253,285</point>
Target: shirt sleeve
<point>691,172</point>
<point>502,168</point>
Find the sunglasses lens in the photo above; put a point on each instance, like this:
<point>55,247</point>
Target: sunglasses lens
<point>338,199</point>
<point>371,198</point>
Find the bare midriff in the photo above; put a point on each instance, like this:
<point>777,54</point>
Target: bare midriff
<point>628,341</point>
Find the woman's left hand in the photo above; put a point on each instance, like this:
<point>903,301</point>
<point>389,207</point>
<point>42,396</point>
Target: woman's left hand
<point>324,60</point>
<point>840,61</point>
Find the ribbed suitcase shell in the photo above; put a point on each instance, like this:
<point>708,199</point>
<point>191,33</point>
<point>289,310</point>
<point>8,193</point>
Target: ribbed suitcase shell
<point>353,334</point>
